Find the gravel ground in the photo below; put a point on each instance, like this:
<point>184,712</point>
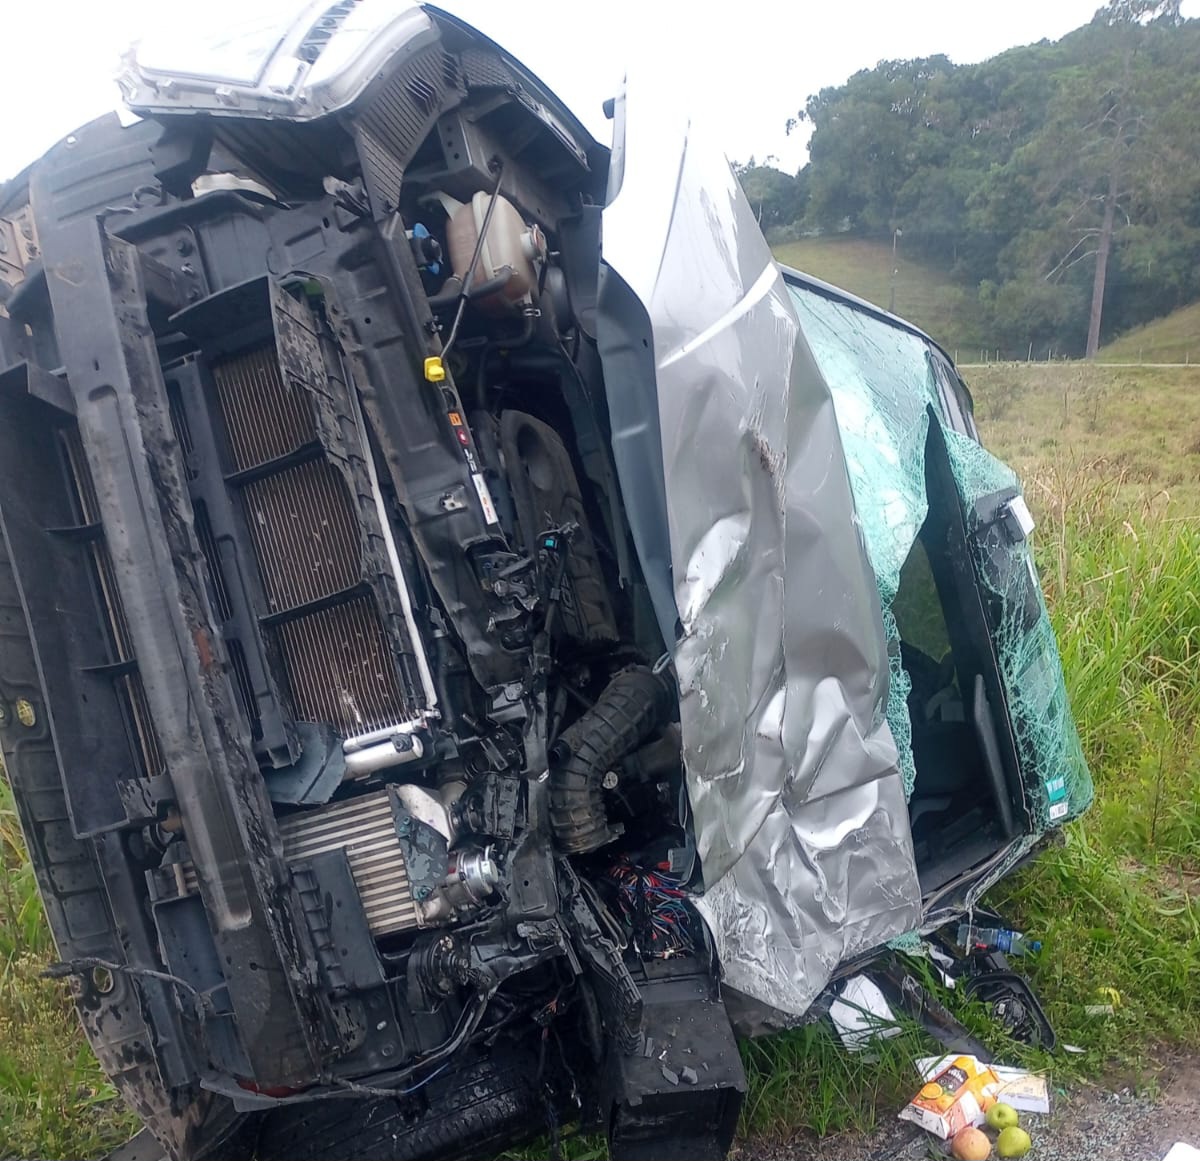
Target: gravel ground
<point>1088,1124</point>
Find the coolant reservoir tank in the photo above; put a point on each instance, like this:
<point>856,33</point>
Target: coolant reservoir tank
<point>510,243</point>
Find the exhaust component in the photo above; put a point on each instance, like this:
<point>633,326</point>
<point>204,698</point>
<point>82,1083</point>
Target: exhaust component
<point>632,705</point>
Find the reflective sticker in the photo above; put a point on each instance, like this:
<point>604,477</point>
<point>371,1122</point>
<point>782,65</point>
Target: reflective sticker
<point>485,499</point>
<point>1022,515</point>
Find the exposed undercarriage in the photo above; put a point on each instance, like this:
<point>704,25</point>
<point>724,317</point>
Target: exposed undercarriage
<point>439,662</point>
<point>372,603</point>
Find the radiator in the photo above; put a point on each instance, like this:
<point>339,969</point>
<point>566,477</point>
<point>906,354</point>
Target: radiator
<point>288,460</point>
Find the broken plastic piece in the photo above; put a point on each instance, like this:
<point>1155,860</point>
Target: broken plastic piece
<point>1182,1152</point>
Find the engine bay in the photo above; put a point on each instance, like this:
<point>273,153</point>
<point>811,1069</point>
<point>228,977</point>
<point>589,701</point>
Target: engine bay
<point>372,421</point>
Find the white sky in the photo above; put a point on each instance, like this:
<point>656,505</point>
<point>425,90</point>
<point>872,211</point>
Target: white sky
<point>742,67</point>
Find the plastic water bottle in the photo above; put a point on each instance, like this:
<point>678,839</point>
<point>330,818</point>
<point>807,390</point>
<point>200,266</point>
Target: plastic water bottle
<point>995,939</point>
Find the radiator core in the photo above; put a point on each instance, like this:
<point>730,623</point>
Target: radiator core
<point>340,666</point>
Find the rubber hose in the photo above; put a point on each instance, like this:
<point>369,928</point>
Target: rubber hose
<point>632,705</point>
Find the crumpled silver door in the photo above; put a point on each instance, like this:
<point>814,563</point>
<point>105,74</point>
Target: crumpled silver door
<point>728,450</point>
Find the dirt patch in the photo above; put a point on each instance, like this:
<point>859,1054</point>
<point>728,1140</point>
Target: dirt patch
<point>1085,1124</point>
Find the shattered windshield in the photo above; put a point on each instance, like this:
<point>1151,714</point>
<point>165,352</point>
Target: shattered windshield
<point>885,395</point>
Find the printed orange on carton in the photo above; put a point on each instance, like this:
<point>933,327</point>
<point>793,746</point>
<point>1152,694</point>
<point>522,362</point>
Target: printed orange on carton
<point>957,1097</point>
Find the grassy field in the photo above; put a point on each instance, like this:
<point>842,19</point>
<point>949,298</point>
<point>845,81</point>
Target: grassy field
<point>925,295</point>
<point>1175,338</point>
<point>1111,462</point>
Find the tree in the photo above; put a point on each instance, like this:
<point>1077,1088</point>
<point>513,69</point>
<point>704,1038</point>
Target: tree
<point>1070,169</point>
<point>1104,154</point>
<point>871,136</point>
<point>778,198</point>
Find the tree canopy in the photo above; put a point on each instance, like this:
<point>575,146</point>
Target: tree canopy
<point>1061,179</point>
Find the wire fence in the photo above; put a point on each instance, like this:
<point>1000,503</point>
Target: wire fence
<point>989,357</point>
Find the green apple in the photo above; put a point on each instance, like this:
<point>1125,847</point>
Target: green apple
<point>1001,1116</point>
<point>1013,1142</point>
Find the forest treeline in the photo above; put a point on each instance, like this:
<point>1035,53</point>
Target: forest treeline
<point>1059,181</point>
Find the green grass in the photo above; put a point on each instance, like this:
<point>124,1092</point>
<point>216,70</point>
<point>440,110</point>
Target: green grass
<point>54,1100</point>
<point>1174,338</point>
<point>1111,463</point>
<point>925,296</point>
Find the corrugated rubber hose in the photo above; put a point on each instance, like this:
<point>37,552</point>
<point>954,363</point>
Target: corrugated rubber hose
<point>631,707</point>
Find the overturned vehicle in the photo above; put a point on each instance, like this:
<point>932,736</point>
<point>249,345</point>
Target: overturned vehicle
<point>478,636</point>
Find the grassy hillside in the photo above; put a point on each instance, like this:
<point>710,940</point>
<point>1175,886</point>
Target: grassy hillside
<point>1136,428</point>
<point>925,295</point>
<point>1175,338</point>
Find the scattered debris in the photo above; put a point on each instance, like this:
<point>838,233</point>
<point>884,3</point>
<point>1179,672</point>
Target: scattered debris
<point>1109,1000</point>
<point>953,1099</point>
<point>1025,1091</point>
<point>861,1013</point>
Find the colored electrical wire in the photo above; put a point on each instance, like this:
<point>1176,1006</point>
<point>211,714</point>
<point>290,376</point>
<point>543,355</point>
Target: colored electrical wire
<point>655,909</point>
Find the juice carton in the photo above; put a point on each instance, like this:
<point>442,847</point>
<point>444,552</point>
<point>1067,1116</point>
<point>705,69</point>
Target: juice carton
<point>956,1097</point>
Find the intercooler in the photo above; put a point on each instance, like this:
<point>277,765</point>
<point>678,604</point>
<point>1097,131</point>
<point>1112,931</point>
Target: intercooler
<point>365,829</point>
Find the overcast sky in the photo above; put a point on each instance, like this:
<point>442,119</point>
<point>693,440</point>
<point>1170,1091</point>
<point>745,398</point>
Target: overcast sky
<point>742,66</point>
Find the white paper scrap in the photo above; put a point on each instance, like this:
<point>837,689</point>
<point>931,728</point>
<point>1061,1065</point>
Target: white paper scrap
<point>861,1014</point>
